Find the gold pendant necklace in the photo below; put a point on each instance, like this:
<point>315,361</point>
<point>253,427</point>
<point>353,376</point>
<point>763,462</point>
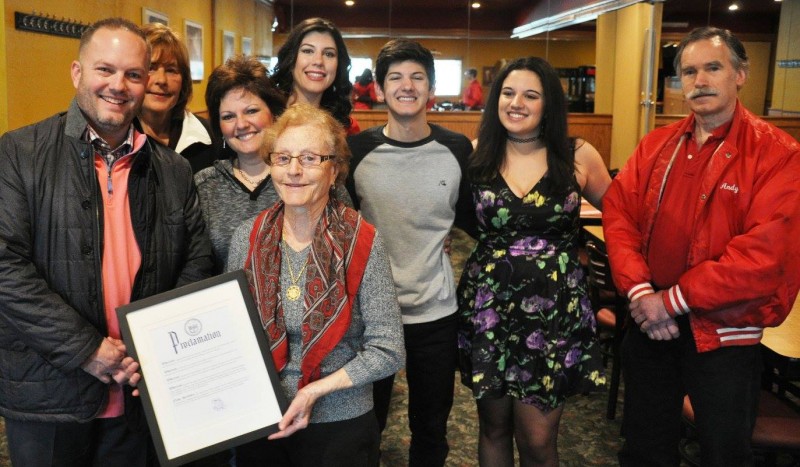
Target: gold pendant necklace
<point>293,291</point>
<point>236,167</point>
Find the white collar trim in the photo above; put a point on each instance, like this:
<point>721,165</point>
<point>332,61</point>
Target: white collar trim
<point>192,132</point>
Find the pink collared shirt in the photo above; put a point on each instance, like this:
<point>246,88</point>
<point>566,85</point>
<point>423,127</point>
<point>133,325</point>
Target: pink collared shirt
<point>121,255</point>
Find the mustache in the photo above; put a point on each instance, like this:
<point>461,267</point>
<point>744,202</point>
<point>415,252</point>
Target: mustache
<point>702,92</point>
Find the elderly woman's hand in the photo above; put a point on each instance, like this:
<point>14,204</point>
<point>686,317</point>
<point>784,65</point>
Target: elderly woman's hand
<point>298,414</point>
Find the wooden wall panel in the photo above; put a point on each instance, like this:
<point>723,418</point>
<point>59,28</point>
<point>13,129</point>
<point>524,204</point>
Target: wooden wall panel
<point>595,129</point>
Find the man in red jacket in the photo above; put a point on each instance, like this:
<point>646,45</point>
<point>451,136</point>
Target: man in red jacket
<point>699,226</point>
<point>473,93</point>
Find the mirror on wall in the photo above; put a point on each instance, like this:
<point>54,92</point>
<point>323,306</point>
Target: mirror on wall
<point>480,38</point>
<point>460,36</point>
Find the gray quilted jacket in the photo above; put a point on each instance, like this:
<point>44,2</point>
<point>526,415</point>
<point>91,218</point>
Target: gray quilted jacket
<point>51,295</point>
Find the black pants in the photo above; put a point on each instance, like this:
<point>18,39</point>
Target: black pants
<point>723,385</point>
<point>431,356</point>
<point>348,443</point>
<point>100,442</point>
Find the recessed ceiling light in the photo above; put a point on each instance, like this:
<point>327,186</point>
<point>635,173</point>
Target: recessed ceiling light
<point>733,7</point>
<point>349,3</point>
<point>476,4</point>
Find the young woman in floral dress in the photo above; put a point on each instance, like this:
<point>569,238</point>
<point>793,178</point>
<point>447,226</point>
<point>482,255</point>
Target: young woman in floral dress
<point>527,339</point>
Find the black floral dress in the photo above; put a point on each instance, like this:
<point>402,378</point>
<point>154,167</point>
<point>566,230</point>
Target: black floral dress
<point>527,328</point>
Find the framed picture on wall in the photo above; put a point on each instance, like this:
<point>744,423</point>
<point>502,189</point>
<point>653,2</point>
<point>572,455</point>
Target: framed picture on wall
<point>153,16</point>
<point>247,46</point>
<point>228,45</point>
<point>193,32</point>
<point>489,73</point>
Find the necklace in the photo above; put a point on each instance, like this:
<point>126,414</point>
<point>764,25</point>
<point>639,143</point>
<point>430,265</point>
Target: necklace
<point>514,139</point>
<point>293,291</point>
<point>245,177</point>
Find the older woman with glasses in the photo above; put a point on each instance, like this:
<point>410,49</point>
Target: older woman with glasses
<point>323,285</point>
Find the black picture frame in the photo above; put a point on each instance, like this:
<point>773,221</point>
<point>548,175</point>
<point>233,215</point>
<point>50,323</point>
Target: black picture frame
<point>220,364</point>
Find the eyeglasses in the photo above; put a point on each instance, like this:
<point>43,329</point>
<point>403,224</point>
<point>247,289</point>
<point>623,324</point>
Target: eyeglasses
<point>307,159</point>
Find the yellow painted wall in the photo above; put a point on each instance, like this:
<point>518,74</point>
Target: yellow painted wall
<point>606,52</point>
<point>3,76</point>
<point>264,15</point>
<point>754,92</point>
<point>238,20</point>
<point>482,53</point>
<point>786,83</point>
<point>628,127</point>
<point>36,66</point>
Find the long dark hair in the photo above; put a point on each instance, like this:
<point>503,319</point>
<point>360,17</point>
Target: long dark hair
<point>486,160</point>
<point>365,78</point>
<point>335,99</point>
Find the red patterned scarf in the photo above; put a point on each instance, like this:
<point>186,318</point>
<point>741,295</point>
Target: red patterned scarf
<point>339,251</point>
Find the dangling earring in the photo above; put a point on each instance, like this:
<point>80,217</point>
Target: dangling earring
<point>223,143</point>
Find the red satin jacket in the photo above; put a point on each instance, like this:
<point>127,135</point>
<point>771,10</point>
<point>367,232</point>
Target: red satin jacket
<point>743,271</point>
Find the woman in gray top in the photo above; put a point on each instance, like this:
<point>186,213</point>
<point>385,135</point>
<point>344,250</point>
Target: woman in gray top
<point>323,287</point>
<point>242,104</point>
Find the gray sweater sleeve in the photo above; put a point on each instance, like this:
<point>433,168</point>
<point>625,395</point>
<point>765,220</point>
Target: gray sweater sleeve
<point>383,351</point>
<point>239,246</point>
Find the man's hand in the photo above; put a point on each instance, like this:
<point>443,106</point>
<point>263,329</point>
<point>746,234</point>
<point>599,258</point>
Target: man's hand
<point>664,331</point>
<point>651,316</point>
<point>110,362</point>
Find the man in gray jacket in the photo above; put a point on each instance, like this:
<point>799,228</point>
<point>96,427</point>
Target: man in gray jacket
<point>93,215</point>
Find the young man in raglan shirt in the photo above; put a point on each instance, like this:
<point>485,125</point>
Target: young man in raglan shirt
<point>406,178</point>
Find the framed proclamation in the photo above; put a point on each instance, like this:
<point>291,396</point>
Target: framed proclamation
<point>208,380</point>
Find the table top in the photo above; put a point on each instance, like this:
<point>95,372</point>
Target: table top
<point>588,211</point>
<point>595,232</point>
<point>785,339</point>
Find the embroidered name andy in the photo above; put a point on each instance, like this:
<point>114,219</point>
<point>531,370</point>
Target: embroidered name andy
<point>732,188</point>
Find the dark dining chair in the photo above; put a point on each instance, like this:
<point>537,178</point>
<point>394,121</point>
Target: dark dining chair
<point>610,310</point>
<point>777,431</point>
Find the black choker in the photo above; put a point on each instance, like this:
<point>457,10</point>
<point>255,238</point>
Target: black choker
<point>522,140</point>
